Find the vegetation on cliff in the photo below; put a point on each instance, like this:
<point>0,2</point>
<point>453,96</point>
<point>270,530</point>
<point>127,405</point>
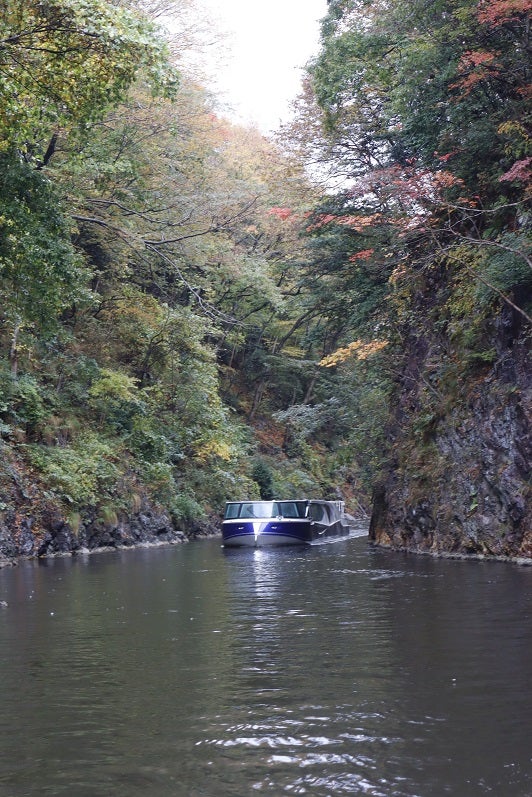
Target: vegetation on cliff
<point>155,315</point>
<point>425,117</point>
<point>187,317</point>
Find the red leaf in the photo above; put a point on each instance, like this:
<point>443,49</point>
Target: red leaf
<point>521,170</point>
<point>497,12</point>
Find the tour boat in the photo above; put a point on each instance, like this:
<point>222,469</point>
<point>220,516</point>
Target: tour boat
<point>261,523</point>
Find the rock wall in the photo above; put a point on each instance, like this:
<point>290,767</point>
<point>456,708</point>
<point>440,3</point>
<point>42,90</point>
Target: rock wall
<point>458,480</point>
<point>22,536</point>
<point>34,523</point>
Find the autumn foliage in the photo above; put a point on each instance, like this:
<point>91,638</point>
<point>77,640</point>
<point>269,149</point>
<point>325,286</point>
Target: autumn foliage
<point>357,349</point>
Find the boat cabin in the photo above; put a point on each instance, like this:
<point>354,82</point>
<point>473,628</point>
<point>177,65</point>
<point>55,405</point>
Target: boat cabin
<point>266,509</point>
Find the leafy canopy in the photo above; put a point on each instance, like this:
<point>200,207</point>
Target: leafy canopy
<point>64,62</point>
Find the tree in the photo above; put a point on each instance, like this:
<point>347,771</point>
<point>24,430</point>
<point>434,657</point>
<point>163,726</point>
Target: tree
<point>41,273</point>
<point>432,129</point>
<point>63,63</point>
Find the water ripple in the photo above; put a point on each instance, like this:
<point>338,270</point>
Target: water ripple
<point>338,670</point>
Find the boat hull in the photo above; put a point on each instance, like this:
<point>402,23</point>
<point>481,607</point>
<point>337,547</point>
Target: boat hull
<point>261,533</point>
<point>286,532</point>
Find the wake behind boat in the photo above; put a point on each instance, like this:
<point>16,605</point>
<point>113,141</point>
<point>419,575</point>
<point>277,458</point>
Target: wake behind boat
<point>260,523</point>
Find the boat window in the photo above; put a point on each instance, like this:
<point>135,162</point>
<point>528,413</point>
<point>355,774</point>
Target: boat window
<point>316,512</point>
<point>265,509</point>
<point>258,509</point>
<point>292,509</point>
<point>231,511</point>
<point>288,509</point>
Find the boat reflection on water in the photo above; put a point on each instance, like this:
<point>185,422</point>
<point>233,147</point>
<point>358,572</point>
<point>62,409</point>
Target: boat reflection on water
<point>300,522</point>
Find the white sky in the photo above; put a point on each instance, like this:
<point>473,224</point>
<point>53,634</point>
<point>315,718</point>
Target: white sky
<point>267,43</point>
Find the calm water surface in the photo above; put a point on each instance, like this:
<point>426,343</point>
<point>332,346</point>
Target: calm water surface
<point>332,670</point>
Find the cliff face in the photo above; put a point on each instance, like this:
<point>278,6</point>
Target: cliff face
<point>458,480</point>
<point>32,524</point>
<point>26,534</point>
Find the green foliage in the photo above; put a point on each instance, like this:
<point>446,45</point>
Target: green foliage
<point>64,62</point>
<point>423,81</point>
<point>185,509</point>
<point>114,397</point>
<point>21,400</point>
<point>359,433</point>
<point>150,441</point>
<point>262,474</point>
<point>149,249</point>
<point>505,266</point>
<point>40,271</point>
<point>290,481</point>
<point>159,479</point>
<point>26,401</point>
<point>80,474</point>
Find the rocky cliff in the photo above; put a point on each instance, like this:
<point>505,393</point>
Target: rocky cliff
<point>458,479</point>
<point>32,524</point>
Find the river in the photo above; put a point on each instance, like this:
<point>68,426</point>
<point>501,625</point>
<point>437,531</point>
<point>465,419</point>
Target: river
<point>193,671</point>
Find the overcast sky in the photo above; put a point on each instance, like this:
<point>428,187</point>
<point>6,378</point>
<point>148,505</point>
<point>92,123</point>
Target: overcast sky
<point>267,43</point>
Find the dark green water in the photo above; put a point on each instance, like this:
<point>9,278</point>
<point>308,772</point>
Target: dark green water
<point>188,671</point>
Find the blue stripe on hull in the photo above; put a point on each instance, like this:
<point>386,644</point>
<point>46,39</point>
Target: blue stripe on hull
<point>262,540</point>
<point>258,534</point>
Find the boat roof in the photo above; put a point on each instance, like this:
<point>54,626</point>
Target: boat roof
<point>283,501</point>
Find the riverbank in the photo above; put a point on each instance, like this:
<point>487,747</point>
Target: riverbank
<point>463,557</point>
<point>184,538</point>
<point>178,537</point>
<point>22,538</point>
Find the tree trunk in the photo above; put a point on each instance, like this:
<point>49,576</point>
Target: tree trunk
<point>261,387</point>
<point>310,388</point>
<point>13,349</point>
